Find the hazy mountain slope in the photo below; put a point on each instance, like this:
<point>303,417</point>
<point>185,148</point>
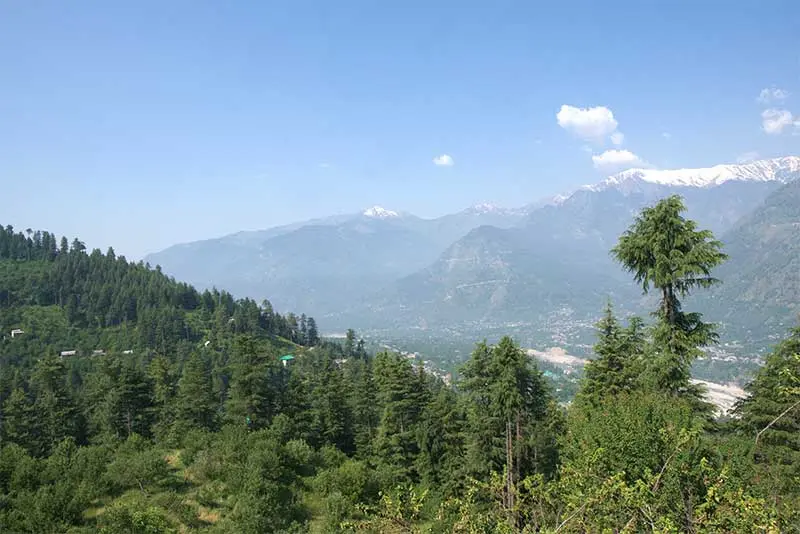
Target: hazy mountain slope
<point>760,293</point>
<point>449,228</point>
<point>212,262</point>
<point>560,257</point>
<point>493,274</point>
<point>328,264</point>
<point>327,267</point>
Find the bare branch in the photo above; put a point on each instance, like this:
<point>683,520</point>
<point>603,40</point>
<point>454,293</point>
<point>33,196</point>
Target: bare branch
<point>787,410</point>
<point>573,514</point>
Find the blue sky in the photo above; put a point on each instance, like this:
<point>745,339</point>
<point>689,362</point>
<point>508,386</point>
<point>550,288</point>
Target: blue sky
<point>142,124</point>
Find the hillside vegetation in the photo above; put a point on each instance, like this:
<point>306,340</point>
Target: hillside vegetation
<point>762,287</point>
<point>132,403</point>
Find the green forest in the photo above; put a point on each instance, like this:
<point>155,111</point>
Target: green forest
<point>133,403</point>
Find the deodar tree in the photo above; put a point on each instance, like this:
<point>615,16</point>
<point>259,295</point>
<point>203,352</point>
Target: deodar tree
<point>667,252</point>
<point>509,404</point>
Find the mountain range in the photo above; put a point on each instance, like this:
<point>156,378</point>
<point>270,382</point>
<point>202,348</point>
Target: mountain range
<point>488,265</point>
<point>329,263</point>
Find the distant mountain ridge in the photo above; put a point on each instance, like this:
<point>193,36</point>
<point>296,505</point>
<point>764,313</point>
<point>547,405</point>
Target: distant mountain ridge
<point>486,263</point>
<point>781,170</point>
<point>328,263</point>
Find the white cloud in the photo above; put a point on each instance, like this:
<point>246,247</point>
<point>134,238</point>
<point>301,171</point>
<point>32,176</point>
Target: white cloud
<point>444,160</point>
<point>773,120</point>
<point>598,125</point>
<point>666,135</point>
<point>617,159</point>
<point>767,96</point>
<point>587,123</point>
<point>324,165</point>
<point>747,157</point>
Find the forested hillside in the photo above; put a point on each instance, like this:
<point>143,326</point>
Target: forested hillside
<point>131,403</point>
<point>762,287</point>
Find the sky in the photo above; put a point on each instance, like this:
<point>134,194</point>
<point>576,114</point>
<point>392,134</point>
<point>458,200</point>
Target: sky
<point>142,124</point>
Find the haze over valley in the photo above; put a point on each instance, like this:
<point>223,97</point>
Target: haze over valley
<point>541,271</point>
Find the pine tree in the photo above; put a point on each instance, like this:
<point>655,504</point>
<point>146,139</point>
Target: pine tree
<point>78,246</point>
<point>303,329</point>
<point>618,364</point>
<point>363,402</point>
<point>20,422</point>
<point>251,396</point>
<point>486,435</point>
<point>329,411</point>
<point>312,335</point>
<point>161,379</point>
<point>195,405</point>
<point>361,350</point>
<point>665,251</point>
<point>132,408</point>
<point>119,400</point>
<point>400,398</point>
<point>350,343</point>
<point>441,442</point>
<point>508,398</point>
<point>54,407</point>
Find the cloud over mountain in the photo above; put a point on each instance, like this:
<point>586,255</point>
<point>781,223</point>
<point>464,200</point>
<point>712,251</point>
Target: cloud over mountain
<point>617,160</point>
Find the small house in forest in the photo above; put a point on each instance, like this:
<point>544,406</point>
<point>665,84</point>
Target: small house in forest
<point>17,332</point>
<point>286,359</point>
<point>68,353</point>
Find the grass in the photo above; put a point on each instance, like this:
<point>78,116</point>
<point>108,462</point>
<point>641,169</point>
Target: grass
<point>316,507</point>
<point>178,496</point>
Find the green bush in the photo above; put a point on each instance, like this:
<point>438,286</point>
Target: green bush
<point>134,518</point>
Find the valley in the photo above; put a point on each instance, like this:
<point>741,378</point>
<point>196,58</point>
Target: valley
<point>540,273</point>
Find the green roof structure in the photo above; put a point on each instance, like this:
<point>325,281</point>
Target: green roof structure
<point>287,357</point>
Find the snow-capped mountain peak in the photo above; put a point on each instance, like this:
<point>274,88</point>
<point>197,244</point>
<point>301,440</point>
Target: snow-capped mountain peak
<point>767,170</point>
<point>378,212</point>
<point>485,207</point>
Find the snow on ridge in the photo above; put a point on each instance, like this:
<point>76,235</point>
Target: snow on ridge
<point>380,213</point>
<point>485,207</point>
<point>559,199</point>
<point>766,170</point>
<point>761,171</point>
